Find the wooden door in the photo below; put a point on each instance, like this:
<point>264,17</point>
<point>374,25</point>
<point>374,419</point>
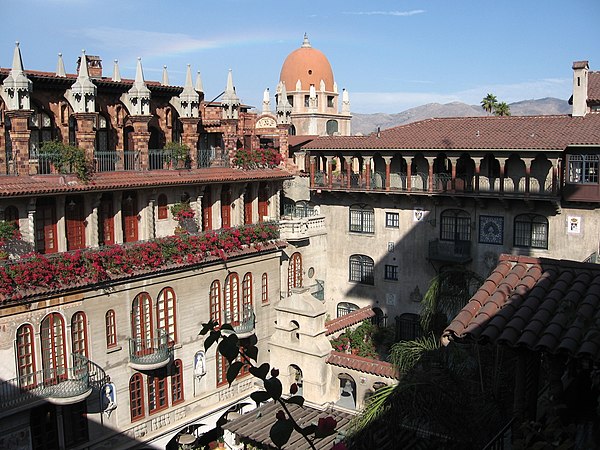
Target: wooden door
<point>74,215</point>
<point>130,217</point>
<point>45,227</point>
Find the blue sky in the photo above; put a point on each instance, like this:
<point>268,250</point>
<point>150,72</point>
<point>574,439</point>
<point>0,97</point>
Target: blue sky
<point>389,55</point>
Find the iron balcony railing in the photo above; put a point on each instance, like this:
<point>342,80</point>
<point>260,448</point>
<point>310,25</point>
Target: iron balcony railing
<point>299,211</point>
<point>58,384</point>
<point>450,251</point>
<point>150,353</point>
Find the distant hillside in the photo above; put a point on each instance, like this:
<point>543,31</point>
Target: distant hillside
<point>368,123</point>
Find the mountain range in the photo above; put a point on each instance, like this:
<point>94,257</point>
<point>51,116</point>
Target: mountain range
<point>368,123</point>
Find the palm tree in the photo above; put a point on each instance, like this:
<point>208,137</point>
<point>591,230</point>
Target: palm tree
<point>502,109</point>
<point>489,103</point>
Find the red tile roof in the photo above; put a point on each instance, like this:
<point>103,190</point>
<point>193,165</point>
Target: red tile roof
<point>594,86</point>
<point>540,304</point>
<point>475,133</point>
<point>348,320</point>
<point>366,365</point>
<point>11,186</point>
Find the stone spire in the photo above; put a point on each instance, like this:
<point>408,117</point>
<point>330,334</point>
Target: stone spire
<point>312,97</point>
<point>199,87</point>
<point>230,101</point>
<point>82,94</point>
<point>306,42</point>
<point>284,109</point>
<point>17,87</point>
<point>116,73</point>
<point>266,104</point>
<point>345,102</point>
<point>60,67</point>
<point>165,77</point>
<point>190,100</point>
<point>139,94</point>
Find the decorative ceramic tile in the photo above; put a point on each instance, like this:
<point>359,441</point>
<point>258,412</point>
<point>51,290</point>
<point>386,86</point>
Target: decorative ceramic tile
<point>491,230</point>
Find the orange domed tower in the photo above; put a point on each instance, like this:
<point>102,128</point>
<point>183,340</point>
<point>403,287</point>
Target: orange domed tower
<point>307,81</point>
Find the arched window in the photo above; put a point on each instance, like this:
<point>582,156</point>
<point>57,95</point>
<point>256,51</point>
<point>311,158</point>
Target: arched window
<point>295,272</point>
<point>79,334</point>
<point>345,308</point>
<point>361,269</point>
<point>531,230</point>
<point>247,297</point>
<point>26,357</point>
<point>177,382</point>
<point>362,219</point>
<point>215,301</point>
<point>163,209</point>
<point>41,129</point>
<point>265,288</point>
<point>332,127</point>
<point>455,225</point>
<point>75,222</point>
<point>157,393</point>
<point>136,397</point>
<point>231,299</point>
<point>141,323</point>
<point>111,329</point>
<point>165,313</point>
<point>52,335</point>
<point>102,144</point>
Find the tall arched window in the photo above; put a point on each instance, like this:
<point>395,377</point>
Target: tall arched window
<point>141,323</point>
<point>163,209</point>
<point>455,225</point>
<point>111,329</point>
<point>26,357</point>
<point>231,299</point>
<point>79,334</point>
<point>41,129</point>
<point>361,269</point>
<point>332,127</point>
<point>295,272</point>
<point>177,382</point>
<point>52,335</point>
<point>165,313</point>
<point>531,230</point>
<point>136,397</point>
<point>247,297</point>
<point>265,288</point>
<point>215,301</point>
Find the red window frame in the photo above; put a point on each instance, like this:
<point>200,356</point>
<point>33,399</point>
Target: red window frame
<point>142,331</point>
<point>157,394</point>
<point>26,357</point>
<point>177,382</point>
<point>163,209</point>
<point>136,397</point>
<point>247,289</point>
<point>54,352</point>
<point>222,366</point>
<point>265,288</point>
<point>207,211</point>
<point>79,339</point>
<point>295,272</point>
<point>111,329</point>
<point>166,313</point>
<point>215,301</point>
<point>231,299</point>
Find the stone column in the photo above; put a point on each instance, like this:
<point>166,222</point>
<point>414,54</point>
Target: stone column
<point>312,171</point>
<point>92,239</point>
<point>329,171</point>
<point>86,133</point>
<point>151,218</point>
<point>555,165</point>
<point>284,147</point>
<point>502,162</point>
<point>229,140</point>
<point>430,161</point>
<point>190,137</point>
<point>118,217</point>
<point>29,236</point>
<point>19,136</point>
<point>388,162</point>
<point>527,162</point>
<point>453,161</point>
<point>477,172</point>
<point>61,229</point>
<point>348,160</point>
<point>198,209</point>
<point>216,218</point>
<point>141,137</point>
<point>367,160</point>
<point>409,173</point>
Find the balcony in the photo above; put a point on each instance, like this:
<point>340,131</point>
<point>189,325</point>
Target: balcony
<point>295,225</point>
<point>450,251</point>
<point>150,354</point>
<point>244,327</point>
<point>59,385</point>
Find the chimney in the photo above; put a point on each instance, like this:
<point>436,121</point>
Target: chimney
<point>94,66</point>
<point>580,88</point>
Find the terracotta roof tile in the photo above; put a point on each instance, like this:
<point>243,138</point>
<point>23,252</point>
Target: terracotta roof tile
<point>594,86</point>
<point>348,320</point>
<point>554,306</point>
<point>367,365</point>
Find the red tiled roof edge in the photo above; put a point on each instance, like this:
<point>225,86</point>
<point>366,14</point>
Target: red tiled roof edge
<point>348,320</point>
<point>366,365</point>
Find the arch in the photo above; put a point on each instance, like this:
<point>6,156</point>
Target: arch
<point>296,376</point>
<point>26,356</point>
<point>465,172</point>
<point>247,288</point>
<point>331,127</point>
<point>231,299</point>
<point>79,338</point>
<point>361,269</point>
<point>292,130</point>
<point>294,272</point>
<point>379,319</point>
<point>265,288</point>
<point>136,397</point>
<point>166,313</point>
<point>489,173</point>
<point>110,320</point>
<point>215,301</point>
<point>531,231</point>
<point>248,204</point>
<point>347,391</point>
<point>455,225</point>
<point>295,334</point>
<point>41,128</point>
<point>54,352</point>
<point>141,322</point>
<point>163,207</point>
<point>514,174</point>
<point>541,175</point>
<point>344,308</point>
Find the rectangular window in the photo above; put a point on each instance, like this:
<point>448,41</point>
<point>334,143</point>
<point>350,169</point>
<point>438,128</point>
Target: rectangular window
<point>391,272</point>
<point>265,289</point>
<point>157,394</point>
<point>111,329</point>
<point>362,221</point>
<point>330,101</point>
<point>392,220</point>
<point>583,169</point>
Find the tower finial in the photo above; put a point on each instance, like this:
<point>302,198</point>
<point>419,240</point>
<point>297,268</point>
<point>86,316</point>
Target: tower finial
<point>306,42</point>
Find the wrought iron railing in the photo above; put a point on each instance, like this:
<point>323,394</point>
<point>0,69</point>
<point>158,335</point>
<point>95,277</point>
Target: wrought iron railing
<point>299,211</point>
<point>105,161</point>
<point>53,383</point>
<point>456,251</point>
<point>150,351</point>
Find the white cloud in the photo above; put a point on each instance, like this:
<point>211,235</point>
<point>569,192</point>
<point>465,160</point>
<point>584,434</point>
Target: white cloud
<point>386,13</point>
<point>394,102</point>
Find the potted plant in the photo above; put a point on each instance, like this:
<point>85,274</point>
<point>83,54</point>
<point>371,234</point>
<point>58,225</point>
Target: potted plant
<point>67,159</point>
<point>177,155</point>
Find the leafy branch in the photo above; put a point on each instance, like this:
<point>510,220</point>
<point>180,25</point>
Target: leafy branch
<point>244,353</point>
